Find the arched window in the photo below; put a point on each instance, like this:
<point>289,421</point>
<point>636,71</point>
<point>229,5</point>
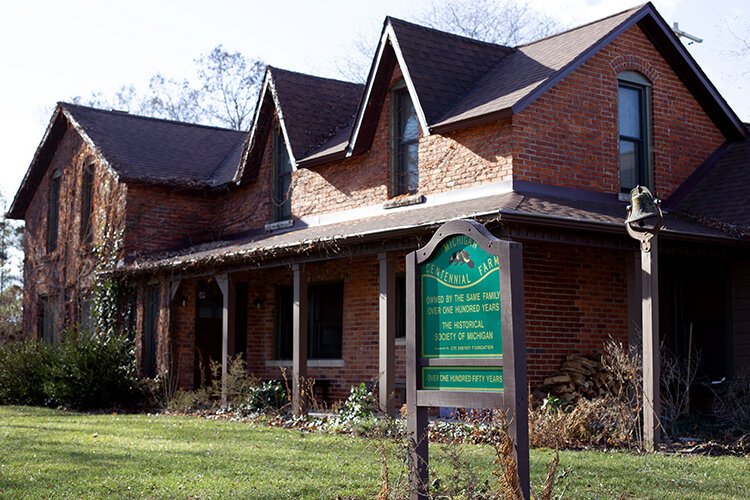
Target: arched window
<point>404,142</point>
<point>634,123</point>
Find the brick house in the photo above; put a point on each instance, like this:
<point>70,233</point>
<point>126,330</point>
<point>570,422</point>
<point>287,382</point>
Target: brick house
<point>285,244</point>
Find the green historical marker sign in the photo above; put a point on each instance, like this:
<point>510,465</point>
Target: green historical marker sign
<point>461,315</point>
<point>464,378</point>
<point>465,340</point>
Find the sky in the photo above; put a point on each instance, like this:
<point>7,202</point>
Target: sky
<point>52,50</point>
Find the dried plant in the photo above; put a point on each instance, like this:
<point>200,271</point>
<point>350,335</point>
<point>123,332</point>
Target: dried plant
<point>612,420</point>
<point>677,377</point>
<point>306,392</point>
<point>732,403</point>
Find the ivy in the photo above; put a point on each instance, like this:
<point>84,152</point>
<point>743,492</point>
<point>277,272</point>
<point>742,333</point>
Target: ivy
<point>106,289</point>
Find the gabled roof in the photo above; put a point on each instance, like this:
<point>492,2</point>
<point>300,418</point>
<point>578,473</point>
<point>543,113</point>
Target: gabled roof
<point>139,149</point>
<point>456,82</point>
<point>529,68</point>
<point>719,191</point>
<point>311,111</point>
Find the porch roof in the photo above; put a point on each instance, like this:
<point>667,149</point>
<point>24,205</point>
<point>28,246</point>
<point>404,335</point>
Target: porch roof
<point>526,203</point>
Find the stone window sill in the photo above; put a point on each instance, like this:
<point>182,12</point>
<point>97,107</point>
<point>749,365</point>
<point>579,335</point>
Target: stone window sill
<point>282,224</point>
<point>311,363</point>
<point>404,201</point>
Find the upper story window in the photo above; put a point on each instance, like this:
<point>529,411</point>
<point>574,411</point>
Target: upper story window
<point>634,121</point>
<point>282,178</point>
<point>87,195</point>
<point>404,142</point>
<point>53,210</point>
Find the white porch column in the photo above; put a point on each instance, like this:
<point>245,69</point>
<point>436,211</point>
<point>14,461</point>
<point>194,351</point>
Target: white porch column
<point>299,336</point>
<point>226,331</point>
<point>651,359</point>
<point>387,336</point>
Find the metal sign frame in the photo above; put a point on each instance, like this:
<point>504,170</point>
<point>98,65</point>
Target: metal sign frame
<point>513,398</point>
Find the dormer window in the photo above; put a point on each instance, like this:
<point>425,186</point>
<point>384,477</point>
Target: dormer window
<point>634,119</point>
<point>53,214</point>
<point>282,178</point>
<point>404,142</point>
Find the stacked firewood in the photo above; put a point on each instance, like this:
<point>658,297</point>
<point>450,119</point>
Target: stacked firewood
<point>579,376</point>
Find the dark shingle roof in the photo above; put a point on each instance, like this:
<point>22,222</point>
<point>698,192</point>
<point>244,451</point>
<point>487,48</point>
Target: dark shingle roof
<point>720,190</point>
<point>315,109</point>
<point>441,65</point>
<point>161,151</point>
<point>515,77</point>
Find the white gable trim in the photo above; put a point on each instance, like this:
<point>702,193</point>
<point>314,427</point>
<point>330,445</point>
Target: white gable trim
<point>90,143</point>
<point>268,86</point>
<point>388,35</point>
<point>280,115</point>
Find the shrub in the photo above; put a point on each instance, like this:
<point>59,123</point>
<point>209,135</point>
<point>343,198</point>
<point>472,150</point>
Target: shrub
<point>359,405</point>
<point>94,372</point>
<point>266,395</point>
<point>24,369</point>
<point>182,401</point>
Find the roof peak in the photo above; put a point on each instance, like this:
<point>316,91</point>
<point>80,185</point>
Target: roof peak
<point>274,69</point>
<point>391,20</point>
<point>117,112</point>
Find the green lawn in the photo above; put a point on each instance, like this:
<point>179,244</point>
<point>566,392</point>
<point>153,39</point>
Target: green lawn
<point>47,453</point>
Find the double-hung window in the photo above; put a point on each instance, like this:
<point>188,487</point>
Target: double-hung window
<point>404,143</point>
<point>634,123</point>
<point>53,210</point>
<point>325,320</point>
<point>46,319</point>
<point>87,195</point>
<point>282,178</point>
<point>150,328</point>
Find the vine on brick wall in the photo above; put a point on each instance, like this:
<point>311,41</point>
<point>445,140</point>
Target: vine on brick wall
<point>105,288</point>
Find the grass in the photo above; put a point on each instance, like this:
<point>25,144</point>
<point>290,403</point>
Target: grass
<point>56,454</point>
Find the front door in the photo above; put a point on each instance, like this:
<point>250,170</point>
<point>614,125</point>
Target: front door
<point>209,308</point>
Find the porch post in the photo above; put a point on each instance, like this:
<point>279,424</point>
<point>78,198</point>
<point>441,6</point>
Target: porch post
<point>387,338</point>
<point>223,281</point>
<point>299,337</point>
<point>651,360</point>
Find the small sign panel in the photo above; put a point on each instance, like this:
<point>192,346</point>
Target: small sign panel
<point>464,378</point>
<point>461,316</point>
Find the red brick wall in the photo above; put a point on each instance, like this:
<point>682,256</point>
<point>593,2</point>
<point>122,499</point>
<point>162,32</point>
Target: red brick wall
<point>68,270</point>
<point>182,330</point>
<point>470,157</point>
<point>160,218</point>
<point>569,137</point>
<point>576,299</point>
<point>360,322</point>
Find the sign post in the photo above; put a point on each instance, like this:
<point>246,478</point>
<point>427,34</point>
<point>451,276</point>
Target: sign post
<point>465,340</point>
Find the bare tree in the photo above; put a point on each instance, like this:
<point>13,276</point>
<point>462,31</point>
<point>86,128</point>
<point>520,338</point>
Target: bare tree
<point>11,293</point>
<point>222,92</point>
<point>505,22</point>
<point>230,85</point>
